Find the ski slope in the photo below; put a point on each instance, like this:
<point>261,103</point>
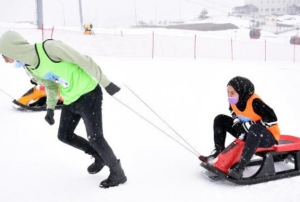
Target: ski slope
<point>186,93</point>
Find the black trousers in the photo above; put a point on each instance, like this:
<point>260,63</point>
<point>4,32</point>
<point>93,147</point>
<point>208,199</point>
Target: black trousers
<point>88,108</point>
<point>258,136</point>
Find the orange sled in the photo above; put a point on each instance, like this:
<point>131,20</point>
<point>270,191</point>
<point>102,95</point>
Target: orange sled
<point>34,100</point>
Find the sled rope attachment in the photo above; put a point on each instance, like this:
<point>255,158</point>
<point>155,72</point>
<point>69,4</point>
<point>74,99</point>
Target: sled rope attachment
<point>192,150</point>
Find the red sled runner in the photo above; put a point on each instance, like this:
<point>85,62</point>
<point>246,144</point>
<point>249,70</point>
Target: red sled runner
<point>287,150</point>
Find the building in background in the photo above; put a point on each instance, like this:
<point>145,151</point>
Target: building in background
<point>293,9</point>
<point>270,7</point>
<point>246,10</point>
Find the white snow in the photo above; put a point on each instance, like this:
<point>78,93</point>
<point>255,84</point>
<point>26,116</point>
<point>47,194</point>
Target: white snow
<point>186,93</point>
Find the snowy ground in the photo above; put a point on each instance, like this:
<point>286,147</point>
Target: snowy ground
<point>187,94</point>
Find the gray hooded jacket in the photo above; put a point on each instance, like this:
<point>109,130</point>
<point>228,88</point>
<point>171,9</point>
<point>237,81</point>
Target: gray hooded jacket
<point>14,46</point>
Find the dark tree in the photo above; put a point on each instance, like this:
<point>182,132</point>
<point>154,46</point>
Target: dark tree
<point>203,14</point>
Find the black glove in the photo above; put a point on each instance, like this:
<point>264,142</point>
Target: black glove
<point>242,127</point>
<point>33,82</point>
<point>239,128</point>
<point>112,88</point>
<point>49,116</point>
<point>236,120</point>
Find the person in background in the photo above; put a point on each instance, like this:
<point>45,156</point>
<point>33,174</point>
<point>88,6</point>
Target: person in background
<point>252,120</point>
<point>53,64</point>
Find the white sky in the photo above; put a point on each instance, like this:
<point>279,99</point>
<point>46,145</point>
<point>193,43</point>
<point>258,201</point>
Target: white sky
<point>112,12</point>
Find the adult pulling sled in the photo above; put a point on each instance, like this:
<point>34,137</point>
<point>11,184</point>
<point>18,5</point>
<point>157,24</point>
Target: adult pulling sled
<point>287,150</point>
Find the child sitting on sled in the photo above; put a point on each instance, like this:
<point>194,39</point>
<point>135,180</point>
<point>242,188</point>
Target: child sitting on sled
<point>35,99</point>
<point>252,120</point>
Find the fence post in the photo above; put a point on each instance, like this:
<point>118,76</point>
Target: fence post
<point>231,49</point>
<point>195,47</point>
<point>52,32</point>
<point>152,44</point>
<point>294,52</point>
<point>265,50</point>
<point>42,32</point>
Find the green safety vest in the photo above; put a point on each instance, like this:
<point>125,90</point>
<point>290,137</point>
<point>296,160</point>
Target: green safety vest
<point>73,81</point>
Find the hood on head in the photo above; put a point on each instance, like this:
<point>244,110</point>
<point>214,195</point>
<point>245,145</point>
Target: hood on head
<point>14,46</point>
<point>244,87</point>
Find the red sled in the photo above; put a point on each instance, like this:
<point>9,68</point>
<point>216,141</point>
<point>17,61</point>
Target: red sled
<point>288,150</point>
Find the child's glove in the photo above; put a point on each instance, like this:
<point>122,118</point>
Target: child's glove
<point>241,128</point>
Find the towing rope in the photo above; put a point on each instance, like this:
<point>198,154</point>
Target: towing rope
<point>192,150</point>
<point>6,94</point>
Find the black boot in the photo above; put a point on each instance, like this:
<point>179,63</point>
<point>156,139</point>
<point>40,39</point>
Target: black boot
<point>97,165</point>
<point>236,172</point>
<point>212,156</point>
<point>116,176</point>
